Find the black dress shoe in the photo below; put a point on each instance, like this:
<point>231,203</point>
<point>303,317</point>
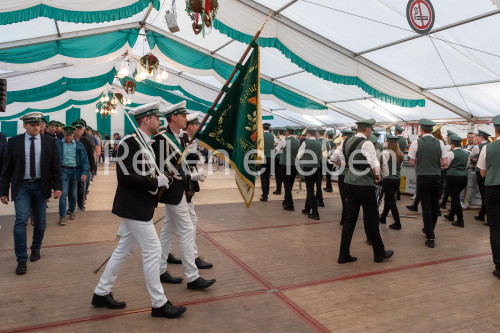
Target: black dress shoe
<point>202,264</point>
<point>382,221</point>
<point>107,301</point>
<point>486,224</point>
<point>313,216</point>
<point>167,278</point>
<point>263,198</point>
<point>35,255</point>
<point>496,272</point>
<point>479,218</point>
<point>168,310</point>
<point>173,260</point>
<point>200,284</point>
<point>458,224</point>
<point>277,192</point>
<point>321,204</point>
<point>290,209</point>
<point>343,260</point>
<point>326,189</point>
<point>305,211</point>
<point>341,222</point>
<point>21,267</point>
<point>369,242</point>
<point>430,243</point>
<point>283,203</point>
<point>386,255</point>
<point>395,226</point>
<point>448,218</point>
<point>412,208</point>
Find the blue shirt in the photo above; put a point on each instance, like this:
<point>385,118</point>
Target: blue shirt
<point>69,154</point>
<point>38,151</point>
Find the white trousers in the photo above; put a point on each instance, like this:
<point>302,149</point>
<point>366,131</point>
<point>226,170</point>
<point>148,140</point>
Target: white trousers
<point>194,220</point>
<point>133,234</point>
<point>178,220</point>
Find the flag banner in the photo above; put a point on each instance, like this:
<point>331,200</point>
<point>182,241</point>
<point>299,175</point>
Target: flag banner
<point>235,130</point>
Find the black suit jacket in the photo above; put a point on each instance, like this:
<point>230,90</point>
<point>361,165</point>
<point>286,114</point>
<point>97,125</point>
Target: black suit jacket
<point>3,150</point>
<point>13,170</point>
<point>173,195</point>
<point>132,199</point>
<point>90,149</point>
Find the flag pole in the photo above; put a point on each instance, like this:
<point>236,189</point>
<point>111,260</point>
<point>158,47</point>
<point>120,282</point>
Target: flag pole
<point>235,69</point>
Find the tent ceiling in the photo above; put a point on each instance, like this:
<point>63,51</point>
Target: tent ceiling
<point>464,55</point>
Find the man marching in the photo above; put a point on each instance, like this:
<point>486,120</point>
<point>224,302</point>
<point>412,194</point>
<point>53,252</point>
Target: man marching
<point>476,151</point>
<point>288,148</point>
<point>135,202</point>
<point>489,165</point>
<point>169,147</point>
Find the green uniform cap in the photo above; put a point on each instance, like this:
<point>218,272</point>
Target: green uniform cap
<point>45,121</point>
<point>53,123</point>
<point>175,109</point>
<point>32,118</point>
<point>496,121</point>
<point>82,121</point>
<point>426,122</point>
<point>366,122</point>
<point>483,133</point>
<point>69,129</point>
<point>455,138</point>
<point>312,129</point>
<point>266,124</point>
<point>377,134</point>
<point>346,132</point>
<point>373,138</point>
<point>330,132</point>
<point>399,128</point>
<point>392,138</point>
<point>451,133</point>
<point>290,129</point>
<point>148,109</point>
<point>60,124</point>
<point>78,124</point>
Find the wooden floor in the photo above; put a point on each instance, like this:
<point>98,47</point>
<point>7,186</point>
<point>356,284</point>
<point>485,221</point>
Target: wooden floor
<point>276,271</point>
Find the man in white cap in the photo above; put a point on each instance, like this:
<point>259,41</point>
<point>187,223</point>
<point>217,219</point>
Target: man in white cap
<point>135,202</point>
<point>31,179</point>
<point>191,128</point>
<point>169,147</point>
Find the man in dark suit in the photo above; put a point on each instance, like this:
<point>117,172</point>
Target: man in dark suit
<point>80,126</point>
<point>3,150</point>
<point>168,147</point>
<point>135,202</point>
<point>31,179</point>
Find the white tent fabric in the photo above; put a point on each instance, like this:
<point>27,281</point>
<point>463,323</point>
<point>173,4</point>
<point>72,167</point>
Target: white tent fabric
<point>457,70</point>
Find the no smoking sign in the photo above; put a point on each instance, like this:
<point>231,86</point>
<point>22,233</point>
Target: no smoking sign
<point>420,15</point>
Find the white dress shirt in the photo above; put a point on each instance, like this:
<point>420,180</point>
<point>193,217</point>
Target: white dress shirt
<point>38,151</point>
<point>451,157</point>
<point>475,150</point>
<point>367,149</point>
<point>302,149</point>
<point>481,162</point>
<point>412,152</point>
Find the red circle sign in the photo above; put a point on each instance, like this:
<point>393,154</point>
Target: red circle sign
<point>420,15</point>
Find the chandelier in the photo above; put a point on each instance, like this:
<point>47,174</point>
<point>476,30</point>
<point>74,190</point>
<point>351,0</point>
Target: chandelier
<point>111,98</point>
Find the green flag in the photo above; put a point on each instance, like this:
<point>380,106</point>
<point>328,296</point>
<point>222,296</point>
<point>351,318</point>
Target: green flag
<point>236,127</point>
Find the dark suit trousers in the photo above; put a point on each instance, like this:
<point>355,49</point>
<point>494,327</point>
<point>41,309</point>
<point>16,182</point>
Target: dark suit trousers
<point>429,191</point>
<point>390,189</point>
<point>455,185</point>
<point>480,184</point>
<point>342,197</point>
<point>361,196</point>
<point>328,184</point>
<point>311,203</point>
<point>265,176</point>
<point>492,199</point>
<point>80,193</point>
<point>288,180</point>
<point>319,180</point>
<point>277,174</point>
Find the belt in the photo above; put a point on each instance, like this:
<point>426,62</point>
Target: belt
<point>32,180</point>
<point>67,167</point>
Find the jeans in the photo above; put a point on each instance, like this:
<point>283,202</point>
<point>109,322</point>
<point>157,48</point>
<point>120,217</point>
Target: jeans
<point>69,184</point>
<point>472,188</point>
<point>429,191</point>
<point>30,197</point>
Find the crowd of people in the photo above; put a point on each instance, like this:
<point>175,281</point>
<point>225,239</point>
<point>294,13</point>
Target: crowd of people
<point>53,159</point>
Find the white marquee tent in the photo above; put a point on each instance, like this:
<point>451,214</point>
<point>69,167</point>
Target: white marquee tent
<point>325,63</point>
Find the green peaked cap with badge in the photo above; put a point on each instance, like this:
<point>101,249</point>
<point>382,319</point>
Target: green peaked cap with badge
<point>366,123</point>
<point>150,109</point>
<point>346,132</point>
<point>32,118</point>
<point>455,138</point>
<point>496,122</point>
<point>483,134</point>
<point>175,109</point>
<point>392,138</point>
<point>290,129</point>
<point>69,129</point>
<point>451,133</point>
<point>399,129</point>
<point>427,124</point>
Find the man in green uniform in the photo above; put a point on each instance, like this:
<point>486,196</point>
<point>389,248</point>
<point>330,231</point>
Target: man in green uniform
<point>401,139</point>
<point>266,168</point>
<point>319,180</point>
<point>476,151</point>
<point>430,156</point>
<point>330,148</point>
<point>343,171</point>
<point>288,149</point>
<point>277,166</point>
<point>310,154</point>
<point>456,179</point>
<point>363,172</point>
<point>489,164</point>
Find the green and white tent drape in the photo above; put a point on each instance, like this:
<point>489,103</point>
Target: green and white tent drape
<point>76,11</point>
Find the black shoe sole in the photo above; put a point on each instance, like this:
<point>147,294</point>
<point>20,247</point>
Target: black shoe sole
<point>168,316</point>
<point>203,287</point>
<point>172,281</point>
<point>105,305</point>
<point>204,267</point>
<point>34,259</point>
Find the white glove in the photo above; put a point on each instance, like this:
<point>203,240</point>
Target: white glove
<point>198,177</point>
<point>162,181</point>
<point>192,148</point>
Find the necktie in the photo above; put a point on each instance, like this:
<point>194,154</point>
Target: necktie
<point>32,158</point>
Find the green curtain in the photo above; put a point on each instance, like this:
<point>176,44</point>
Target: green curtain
<point>192,58</point>
<point>9,128</point>
<point>332,77</point>
<point>59,87</point>
<point>128,128</point>
<point>104,125</point>
<point>78,47</point>
<point>72,115</point>
<point>267,117</point>
<point>47,118</point>
<point>76,16</point>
